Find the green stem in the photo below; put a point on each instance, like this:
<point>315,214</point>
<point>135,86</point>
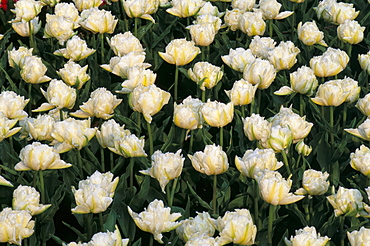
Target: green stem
<point>182,138</point>
<point>131,165</point>
<point>123,15</point>
<point>204,95</point>
<point>242,107</point>
<point>111,160</point>
<point>151,147</point>
<point>331,122</point>
<point>270,28</point>
<point>203,53</point>
<point>89,220</point>
<point>102,160</point>
<point>30,102</point>
<point>101,36</point>
<point>176,83</point>
<point>214,200</point>
<point>172,194</point>
<point>138,124</point>
<point>32,39</point>
<point>285,160</point>
<point>345,114</point>
<point>271,218</point>
<point>256,205</point>
<point>79,163</point>
<point>101,222</point>
<point>151,240</point>
<point>135,26</point>
<point>306,206</point>
<point>301,104</point>
<point>61,117</point>
<point>191,141</point>
<point>42,186</point>
<point>258,101</point>
<point>221,136</point>
<point>341,230</point>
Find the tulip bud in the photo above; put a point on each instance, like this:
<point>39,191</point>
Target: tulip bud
<point>101,104</point>
<point>94,194</point>
<point>261,47</point>
<point>202,224</point>
<point>87,4</point>
<point>260,72</point>
<point>303,149</point>
<point>252,23</point>
<point>156,219</point>
<point>212,161</point>
<point>129,146</point>
<point>33,71</point>
<point>347,202</point>
<point>122,44</point>
<point>76,49</point>
<point>15,225</point>
<point>187,115</point>
<point>238,59</point>
<point>202,34</point>
<point>257,160</point>
<point>307,237</point>
<point>40,128</point>
<point>165,167</point>
<point>360,237</point>
<point>26,10</point>
<point>73,74</point>
<point>98,20</point>
<point>363,104</point>
<point>242,92</point>
<point>180,52</point>
<point>23,28</point>
<point>310,34</point>
<point>59,95</point>
<point>37,156</point>
<point>314,183</point>
<point>71,134</point>
<point>256,127</point>
<point>363,130</point>
<point>205,75</point>
<point>351,32</point>
<point>184,9</point>
<point>236,227</point>
<point>27,198</point>
<point>148,100</point>
<point>141,8</point>
<point>217,114</point>
<point>58,27</point>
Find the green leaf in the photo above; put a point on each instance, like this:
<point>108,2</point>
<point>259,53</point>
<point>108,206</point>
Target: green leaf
<point>200,200</point>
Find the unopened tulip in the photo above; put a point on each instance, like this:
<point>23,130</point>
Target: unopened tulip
<point>98,20</point>
<point>120,65</point>
<point>274,189</point>
<point>205,75</point>
<point>260,72</point>
<point>351,32</point>
<point>307,237</point>
<point>101,104</point>
<point>347,202</point>
<point>330,63</point>
<point>27,198</point>
<point>40,128</point>
<point>122,44</point>
<point>76,49</point>
<point>59,95</point>
<point>303,149</point>
<point>141,8</point>
<point>236,227</point>
<point>7,128</point>
<point>180,52</point>
<point>332,11</point>
<point>186,8</point>
<point>310,34</point>
<point>202,224</point>
<point>156,219</point>
<point>26,10</point>
<point>33,70</point>
<point>257,160</point>
<point>284,55</point>
<point>360,160</point>
<point>23,28</point>
<point>232,18</point>
<point>261,47</point>
<point>87,4</point>
<point>187,115</point>
<point>217,114</point>
<point>94,194</point>
<point>271,10</point>
<point>211,161</point>
<point>302,81</point>
<point>16,57</point>
<point>165,167</point>
<point>314,183</point>
<point>363,104</point>
<point>238,59</point>
<point>252,23</point>
<point>12,105</point>
<point>202,34</point>
<point>359,237</point>
<point>15,225</point>
<point>363,130</point>
<point>364,60</point>
<point>37,156</point>
<point>148,100</point>
<point>243,5</point>
<point>58,27</point>
<point>242,92</point>
<point>72,134</point>
<point>129,146</point>
<point>73,74</point>
<point>137,76</point>
<point>109,132</point>
<point>256,127</point>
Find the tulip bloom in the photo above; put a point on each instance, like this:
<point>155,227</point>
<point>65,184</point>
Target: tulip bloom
<point>187,115</point>
<point>87,4</point>
<point>347,202</point>
<point>40,128</point>
<point>261,47</point>
<point>271,9</point>
<point>314,183</point>
<point>242,92</point>
<point>33,70</point>
<point>186,8</point>
<point>217,114</point>
<point>256,127</point>
<point>23,29</point>
<point>205,75</point>
<point>332,11</point>
<point>129,146</point>
<point>137,76</point>
<point>359,237</point>
<point>6,127</point>
<point>16,57</point>
<point>351,32</point>
<point>252,23</point>
<point>232,18</point>
<point>12,105</point>
<point>238,59</point>
<point>76,49</point>
<point>37,156</point>
<point>180,52</point>
<point>330,63</point>
<point>307,237</point>
<point>141,8</point>
<point>364,60</point>
<point>363,130</point>
<point>73,74</point>
<point>109,132</point>
<point>284,55</point>
<point>156,219</point>
<point>58,27</point>
<point>202,34</point>
<point>310,34</point>
<point>98,21</point>
<point>363,104</point>
<point>122,44</point>
<point>27,198</point>
<point>260,72</point>
<point>202,224</point>
<point>360,160</point>
<point>26,10</point>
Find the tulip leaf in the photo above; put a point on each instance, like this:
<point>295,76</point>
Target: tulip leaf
<point>137,243</point>
<point>75,230</point>
<point>110,221</point>
<point>164,33</point>
<point>200,200</point>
